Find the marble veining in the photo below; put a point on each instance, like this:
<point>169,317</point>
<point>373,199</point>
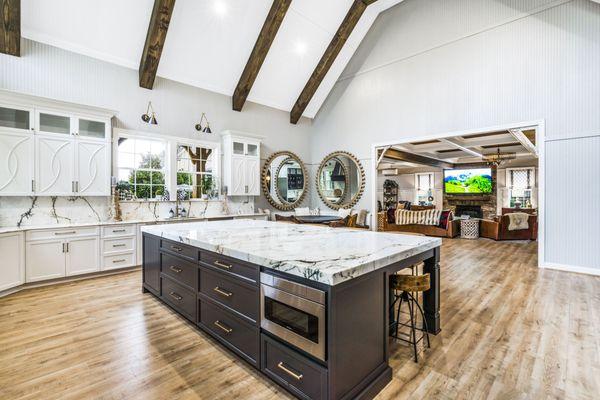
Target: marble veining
<point>322,254</point>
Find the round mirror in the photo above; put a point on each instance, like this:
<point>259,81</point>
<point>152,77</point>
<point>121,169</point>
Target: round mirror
<point>284,180</point>
<point>340,180</point>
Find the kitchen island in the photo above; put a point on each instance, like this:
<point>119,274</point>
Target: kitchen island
<point>306,305</point>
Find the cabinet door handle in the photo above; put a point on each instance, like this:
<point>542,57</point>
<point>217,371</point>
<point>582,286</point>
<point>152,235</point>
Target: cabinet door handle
<point>175,269</point>
<point>33,185</point>
<point>288,371</point>
<point>175,296</point>
<point>119,245</point>
<point>77,186</point>
<point>67,246</point>
<point>223,327</point>
<point>176,248</point>
<point>65,233</point>
<point>220,264</point>
<point>73,186</point>
<point>64,248</point>
<point>223,292</point>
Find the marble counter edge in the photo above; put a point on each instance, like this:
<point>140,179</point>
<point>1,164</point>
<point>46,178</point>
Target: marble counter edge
<point>16,229</point>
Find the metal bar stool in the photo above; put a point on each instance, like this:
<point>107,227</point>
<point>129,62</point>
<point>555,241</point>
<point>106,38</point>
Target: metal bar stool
<point>407,285</point>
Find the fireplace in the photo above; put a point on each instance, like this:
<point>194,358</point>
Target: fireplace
<point>470,210</point>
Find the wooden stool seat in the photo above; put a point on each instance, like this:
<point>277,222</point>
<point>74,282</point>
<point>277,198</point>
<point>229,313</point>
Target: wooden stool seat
<point>410,283</point>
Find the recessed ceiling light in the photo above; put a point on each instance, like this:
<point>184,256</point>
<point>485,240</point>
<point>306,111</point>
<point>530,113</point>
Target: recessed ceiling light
<point>220,8</point>
<point>301,48</point>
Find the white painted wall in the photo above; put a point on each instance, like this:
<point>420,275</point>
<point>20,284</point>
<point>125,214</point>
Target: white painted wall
<point>435,66</point>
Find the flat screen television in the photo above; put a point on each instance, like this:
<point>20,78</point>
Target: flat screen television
<point>468,181</point>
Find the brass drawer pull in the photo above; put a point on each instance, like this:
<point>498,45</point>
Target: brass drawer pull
<point>223,292</point>
<point>176,248</point>
<point>288,371</point>
<point>220,264</point>
<point>119,261</point>
<point>175,296</point>
<point>65,233</point>
<point>175,269</point>
<point>119,245</point>
<point>224,328</point>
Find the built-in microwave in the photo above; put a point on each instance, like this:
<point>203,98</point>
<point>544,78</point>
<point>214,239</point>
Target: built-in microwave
<point>293,312</point>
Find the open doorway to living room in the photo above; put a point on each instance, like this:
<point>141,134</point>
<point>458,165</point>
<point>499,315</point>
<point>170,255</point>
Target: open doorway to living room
<point>478,185</point>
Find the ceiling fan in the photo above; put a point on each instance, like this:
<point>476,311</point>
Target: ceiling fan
<point>498,158</point>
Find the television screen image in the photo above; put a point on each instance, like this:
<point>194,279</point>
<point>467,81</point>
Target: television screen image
<point>468,181</point>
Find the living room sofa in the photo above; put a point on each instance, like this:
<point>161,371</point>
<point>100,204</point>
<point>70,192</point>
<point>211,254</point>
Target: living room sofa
<point>452,229</point>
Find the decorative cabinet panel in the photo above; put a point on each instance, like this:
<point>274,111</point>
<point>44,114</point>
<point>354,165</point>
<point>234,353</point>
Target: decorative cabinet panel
<point>55,175</point>
<point>45,260</point>
<point>12,268</point>
<point>92,168</point>
<point>16,163</point>
<point>82,256</point>
<point>241,164</point>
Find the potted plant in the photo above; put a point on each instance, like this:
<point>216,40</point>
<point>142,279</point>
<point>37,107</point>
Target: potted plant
<point>206,186</point>
<point>123,188</point>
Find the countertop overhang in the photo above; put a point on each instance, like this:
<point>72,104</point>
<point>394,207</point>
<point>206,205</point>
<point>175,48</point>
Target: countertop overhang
<point>322,254</point>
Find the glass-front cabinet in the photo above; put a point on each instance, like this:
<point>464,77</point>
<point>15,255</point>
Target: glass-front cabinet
<point>18,119</point>
<point>52,122</point>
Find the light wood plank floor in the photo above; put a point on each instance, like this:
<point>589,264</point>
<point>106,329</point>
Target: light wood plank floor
<point>510,331</point>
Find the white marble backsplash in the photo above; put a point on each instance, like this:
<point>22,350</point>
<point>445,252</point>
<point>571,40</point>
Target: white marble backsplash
<point>42,211</point>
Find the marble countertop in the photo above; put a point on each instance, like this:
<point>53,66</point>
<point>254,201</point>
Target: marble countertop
<point>322,254</point>
<point>10,229</point>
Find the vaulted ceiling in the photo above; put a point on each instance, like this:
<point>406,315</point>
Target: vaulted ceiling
<point>209,41</point>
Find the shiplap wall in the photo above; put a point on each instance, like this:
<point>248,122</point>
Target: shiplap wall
<point>433,66</point>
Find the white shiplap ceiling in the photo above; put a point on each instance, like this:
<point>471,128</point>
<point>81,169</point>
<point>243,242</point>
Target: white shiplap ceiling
<point>209,41</point>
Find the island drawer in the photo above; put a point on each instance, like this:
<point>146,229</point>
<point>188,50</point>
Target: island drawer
<point>184,272</point>
<point>238,335</point>
<point>231,266</point>
<point>180,298</point>
<point>238,296</point>
<point>181,250</point>
<point>301,376</point>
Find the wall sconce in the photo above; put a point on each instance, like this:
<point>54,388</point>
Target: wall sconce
<point>200,128</point>
<point>150,115</point>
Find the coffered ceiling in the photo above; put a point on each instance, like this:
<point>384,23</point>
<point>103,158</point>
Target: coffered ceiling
<point>208,41</point>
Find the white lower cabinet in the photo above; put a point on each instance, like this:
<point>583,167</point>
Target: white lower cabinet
<point>12,267</point>
<point>45,260</point>
<point>82,256</point>
<point>119,246</point>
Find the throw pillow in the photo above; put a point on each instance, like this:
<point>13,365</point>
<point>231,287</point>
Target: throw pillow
<point>444,218</point>
<point>302,211</point>
<point>344,212</point>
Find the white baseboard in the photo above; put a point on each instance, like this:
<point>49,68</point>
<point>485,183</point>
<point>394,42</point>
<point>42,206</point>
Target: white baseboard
<point>572,268</point>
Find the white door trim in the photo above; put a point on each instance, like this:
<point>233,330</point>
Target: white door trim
<point>540,139</point>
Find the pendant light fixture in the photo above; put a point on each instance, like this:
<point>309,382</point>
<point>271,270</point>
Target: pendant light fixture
<point>150,116</point>
<point>206,128</point>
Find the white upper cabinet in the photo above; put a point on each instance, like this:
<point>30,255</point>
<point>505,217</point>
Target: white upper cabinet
<point>55,175</point>
<point>16,166</point>
<point>241,164</point>
<point>48,148</point>
<point>92,177</point>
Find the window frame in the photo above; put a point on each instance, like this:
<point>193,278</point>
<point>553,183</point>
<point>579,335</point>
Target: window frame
<point>170,164</point>
<point>431,176</point>
<point>214,146</point>
<point>533,186</point>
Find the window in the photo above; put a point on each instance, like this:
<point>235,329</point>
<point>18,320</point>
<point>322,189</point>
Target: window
<point>141,163</point>
<point>520,183</point>
<point>424,185</point>
<point>195,172</point>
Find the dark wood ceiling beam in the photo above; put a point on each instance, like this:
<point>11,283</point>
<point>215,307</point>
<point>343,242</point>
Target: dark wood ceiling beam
<point>401,155</point>
<point>10,27</point>
<point>357,9</point>
<point>155,40</point>
<point>259,52</point>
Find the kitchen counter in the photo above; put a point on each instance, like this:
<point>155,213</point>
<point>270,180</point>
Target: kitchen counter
<point>326,255</point>
<point>10,229</point>
<point>308,306</point>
